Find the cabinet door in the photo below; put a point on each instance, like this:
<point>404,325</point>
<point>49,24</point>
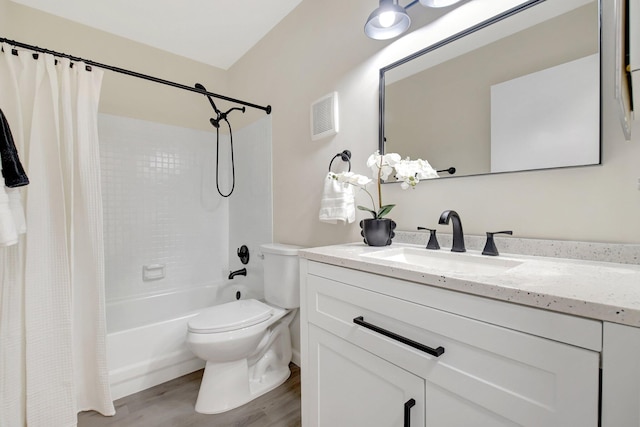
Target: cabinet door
<point>620,376</point>
<point>351,387</point>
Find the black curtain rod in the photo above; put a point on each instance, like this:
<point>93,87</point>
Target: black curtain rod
<point>267,109</point>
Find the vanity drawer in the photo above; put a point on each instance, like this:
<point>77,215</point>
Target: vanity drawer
<point>517,377</point>
<point>565,328</point>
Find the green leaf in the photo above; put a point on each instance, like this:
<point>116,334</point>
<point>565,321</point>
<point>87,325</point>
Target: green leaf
<point>385,210</point>
<point>373,213</point>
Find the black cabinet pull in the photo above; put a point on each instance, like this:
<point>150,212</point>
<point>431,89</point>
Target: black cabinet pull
<point>434,352</point>
<point>407,411</point>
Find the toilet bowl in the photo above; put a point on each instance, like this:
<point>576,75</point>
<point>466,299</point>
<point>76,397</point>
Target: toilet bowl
<point>247,347</point>
<point>246,343</point>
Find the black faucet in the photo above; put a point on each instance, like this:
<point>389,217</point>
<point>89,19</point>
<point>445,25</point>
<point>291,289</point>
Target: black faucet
<point>241,272</point>
<point>433,240</point>
<point>458,235</point>
<point>490,247</point>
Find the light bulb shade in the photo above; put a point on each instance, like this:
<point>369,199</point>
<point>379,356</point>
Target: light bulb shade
<point>438,3</point>
<point>387,21</point>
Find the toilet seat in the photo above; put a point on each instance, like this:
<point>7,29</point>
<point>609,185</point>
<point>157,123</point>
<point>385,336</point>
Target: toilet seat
<point>230,316</point>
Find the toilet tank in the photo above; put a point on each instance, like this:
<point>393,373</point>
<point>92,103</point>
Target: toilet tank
<point>281,275</point>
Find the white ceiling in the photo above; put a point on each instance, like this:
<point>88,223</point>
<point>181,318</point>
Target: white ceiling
<point>215,32</point>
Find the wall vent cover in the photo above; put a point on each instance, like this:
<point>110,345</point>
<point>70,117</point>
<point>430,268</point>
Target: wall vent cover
<point>324,116</point>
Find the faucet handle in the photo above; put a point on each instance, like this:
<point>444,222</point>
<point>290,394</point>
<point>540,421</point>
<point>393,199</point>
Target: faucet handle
<point>490,247</point>
<point>433,241</point>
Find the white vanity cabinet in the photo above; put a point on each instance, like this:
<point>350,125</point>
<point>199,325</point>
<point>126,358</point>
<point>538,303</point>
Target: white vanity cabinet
<point>379,351</point>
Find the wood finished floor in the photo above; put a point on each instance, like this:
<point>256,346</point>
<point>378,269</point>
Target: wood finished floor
<point>172,405</point>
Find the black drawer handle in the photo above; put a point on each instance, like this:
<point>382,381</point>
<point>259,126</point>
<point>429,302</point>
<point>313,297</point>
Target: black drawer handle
<point>407,411</point>
<point>434,352</point>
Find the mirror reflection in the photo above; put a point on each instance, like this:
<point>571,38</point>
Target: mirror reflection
<point>520,94</point>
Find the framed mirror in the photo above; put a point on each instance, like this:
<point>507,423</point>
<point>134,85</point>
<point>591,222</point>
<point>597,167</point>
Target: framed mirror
<point>518,92</point>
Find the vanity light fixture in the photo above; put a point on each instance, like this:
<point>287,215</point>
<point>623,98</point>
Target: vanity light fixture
<point>438,3</point>
<point>390,19</point>
<point>387,21</point>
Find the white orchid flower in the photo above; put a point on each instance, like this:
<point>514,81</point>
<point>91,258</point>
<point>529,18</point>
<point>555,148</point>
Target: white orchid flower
<point>351,178</point>
<point>382,166</point>
<point>360,180</point>
<point>410,172</point>
<point>425,170</point>
<point>407,171</point>
<point>373,159</point>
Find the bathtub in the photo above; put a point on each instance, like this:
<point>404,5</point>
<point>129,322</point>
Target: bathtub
<point>146,337</point>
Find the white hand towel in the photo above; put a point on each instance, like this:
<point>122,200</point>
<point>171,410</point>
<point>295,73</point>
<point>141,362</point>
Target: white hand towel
<point>8,230</point>
<point>15,205</point>
<point>337,203</point>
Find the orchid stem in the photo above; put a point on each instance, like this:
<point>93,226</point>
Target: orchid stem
<point>379,189</point>
<point>373,203</point>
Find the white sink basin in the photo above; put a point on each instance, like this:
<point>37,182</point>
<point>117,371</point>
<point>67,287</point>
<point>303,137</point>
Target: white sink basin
<point>441,262</point>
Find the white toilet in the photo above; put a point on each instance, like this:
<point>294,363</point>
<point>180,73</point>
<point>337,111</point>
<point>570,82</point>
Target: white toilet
<point>246,343</point>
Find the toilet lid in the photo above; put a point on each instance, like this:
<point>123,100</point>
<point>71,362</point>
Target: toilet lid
<point>230,316</point>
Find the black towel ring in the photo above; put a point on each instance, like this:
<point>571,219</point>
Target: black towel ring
<point>345,156</point>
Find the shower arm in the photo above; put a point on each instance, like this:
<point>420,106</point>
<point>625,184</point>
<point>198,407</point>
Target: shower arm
<point>219,114</point>
<point>223,116</point>
<point>213,104</point>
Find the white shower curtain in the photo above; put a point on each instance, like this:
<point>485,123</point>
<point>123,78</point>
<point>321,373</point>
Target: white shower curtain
<point>52,316</point>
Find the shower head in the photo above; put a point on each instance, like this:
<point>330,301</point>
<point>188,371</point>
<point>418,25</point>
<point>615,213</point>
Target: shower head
<point>223,116</point>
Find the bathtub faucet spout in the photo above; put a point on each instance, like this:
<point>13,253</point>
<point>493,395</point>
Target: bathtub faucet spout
<point>241,272</point>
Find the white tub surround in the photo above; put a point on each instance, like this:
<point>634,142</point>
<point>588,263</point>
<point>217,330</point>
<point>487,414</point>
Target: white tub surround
<point>170,239</point>
<point>435,337</point>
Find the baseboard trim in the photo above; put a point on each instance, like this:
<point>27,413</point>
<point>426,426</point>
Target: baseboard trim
<point>295,357</point>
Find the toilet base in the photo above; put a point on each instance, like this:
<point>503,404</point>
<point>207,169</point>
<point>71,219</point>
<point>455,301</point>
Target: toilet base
<point>226,386</point>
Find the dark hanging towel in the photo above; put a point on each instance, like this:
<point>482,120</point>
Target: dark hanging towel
<point>12,171</point>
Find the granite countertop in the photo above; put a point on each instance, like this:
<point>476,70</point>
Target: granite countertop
<point>598,290</point>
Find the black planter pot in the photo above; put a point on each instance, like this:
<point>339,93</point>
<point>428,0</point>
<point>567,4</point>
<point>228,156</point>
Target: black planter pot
<point>377,232</point>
